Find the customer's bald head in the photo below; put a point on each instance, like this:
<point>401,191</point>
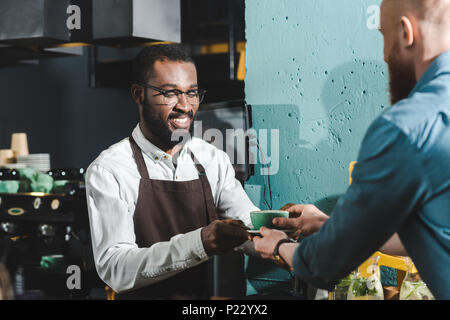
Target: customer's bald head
<point>415,33</point>
<point>432,14</point>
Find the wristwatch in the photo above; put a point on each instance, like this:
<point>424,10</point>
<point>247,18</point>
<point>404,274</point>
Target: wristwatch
<point>278,258</point>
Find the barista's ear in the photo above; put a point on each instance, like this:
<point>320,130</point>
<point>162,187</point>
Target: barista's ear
<point>137,92</point>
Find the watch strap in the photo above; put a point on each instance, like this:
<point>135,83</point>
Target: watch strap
<point>278,258</point>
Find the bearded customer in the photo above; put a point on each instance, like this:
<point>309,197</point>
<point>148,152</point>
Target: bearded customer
<point>401,182</point>
<point>160,202</point>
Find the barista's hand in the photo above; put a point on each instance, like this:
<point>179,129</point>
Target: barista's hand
<point>307,219</point>
<point>287,206</point>
<point>221,236</point>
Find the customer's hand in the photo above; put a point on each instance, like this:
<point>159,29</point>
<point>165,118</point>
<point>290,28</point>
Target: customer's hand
<point>306,219</point>
<point>221,236</point>
<point>265,244</point>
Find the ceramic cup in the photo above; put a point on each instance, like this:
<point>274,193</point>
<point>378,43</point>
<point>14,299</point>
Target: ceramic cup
<point>9,186</point>
<point>264,218</point>
<point>52,262</point>
<point>59,186</point>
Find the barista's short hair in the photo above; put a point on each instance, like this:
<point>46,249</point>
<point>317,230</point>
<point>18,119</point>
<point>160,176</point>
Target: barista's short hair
<point>144,62</point>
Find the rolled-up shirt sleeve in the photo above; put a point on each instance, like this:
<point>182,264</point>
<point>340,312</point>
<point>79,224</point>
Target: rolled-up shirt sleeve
<point>120,263</point>
<point>386,188</point>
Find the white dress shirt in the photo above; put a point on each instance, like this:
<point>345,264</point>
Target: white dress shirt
<point>112,187</point>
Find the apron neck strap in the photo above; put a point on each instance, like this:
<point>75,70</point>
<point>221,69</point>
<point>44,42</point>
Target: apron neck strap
<point>142,168</point>
<point>139,158</point>
<point>209,200</point>
<point>200,169</point>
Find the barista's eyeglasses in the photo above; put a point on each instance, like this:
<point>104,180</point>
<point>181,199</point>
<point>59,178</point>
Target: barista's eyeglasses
<point>172,97</point>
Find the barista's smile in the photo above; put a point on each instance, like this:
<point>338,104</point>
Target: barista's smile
<point>181,121</point>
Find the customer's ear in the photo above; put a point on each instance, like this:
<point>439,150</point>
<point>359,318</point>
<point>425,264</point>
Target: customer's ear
<point>408,35</point>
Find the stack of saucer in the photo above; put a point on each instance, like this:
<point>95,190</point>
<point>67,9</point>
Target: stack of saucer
<point>38,161</point>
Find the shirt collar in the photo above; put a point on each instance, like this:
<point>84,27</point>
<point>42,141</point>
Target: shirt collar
<point>440,65</point>
<point>150,149</point>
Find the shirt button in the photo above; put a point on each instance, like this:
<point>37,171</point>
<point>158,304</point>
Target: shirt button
<point>166,157</point>
<point>157,158</point>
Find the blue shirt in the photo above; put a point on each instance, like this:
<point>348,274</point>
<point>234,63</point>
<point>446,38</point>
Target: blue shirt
<point>401,183</point>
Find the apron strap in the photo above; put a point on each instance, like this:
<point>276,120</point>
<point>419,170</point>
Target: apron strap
<point>207,193</point>
<point>139,158</point>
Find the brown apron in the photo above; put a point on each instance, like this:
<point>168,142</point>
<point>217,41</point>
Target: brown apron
<point>163,210</point>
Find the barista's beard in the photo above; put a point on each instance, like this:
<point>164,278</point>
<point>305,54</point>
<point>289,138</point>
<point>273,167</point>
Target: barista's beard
<point>402,78</point>
<point>159,128</point>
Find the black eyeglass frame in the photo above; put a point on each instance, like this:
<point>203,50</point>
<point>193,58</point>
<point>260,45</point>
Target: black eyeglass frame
<point>201,92</point>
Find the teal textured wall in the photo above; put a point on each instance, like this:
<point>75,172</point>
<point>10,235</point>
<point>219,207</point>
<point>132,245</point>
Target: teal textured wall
<point>315,72</point>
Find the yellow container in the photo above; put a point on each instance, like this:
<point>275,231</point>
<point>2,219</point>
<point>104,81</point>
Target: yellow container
<point>350,170</point>
<point>395,262</point>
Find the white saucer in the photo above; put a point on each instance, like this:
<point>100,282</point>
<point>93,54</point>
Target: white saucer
<point>256,232</point>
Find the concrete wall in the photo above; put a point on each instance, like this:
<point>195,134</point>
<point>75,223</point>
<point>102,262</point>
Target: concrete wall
<point>315,72</point>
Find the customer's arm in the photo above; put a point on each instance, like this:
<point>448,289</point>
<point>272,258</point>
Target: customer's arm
<point>387,187</point>
<point>308,219</point>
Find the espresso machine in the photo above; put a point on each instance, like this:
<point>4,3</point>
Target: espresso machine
<point>45,239</point>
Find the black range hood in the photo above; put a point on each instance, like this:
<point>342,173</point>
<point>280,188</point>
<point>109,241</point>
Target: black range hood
<point>130,22</point>
<point>34,22</point>
<point>31,30</point>
<point>107,22</point>
<point>11,56</point>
